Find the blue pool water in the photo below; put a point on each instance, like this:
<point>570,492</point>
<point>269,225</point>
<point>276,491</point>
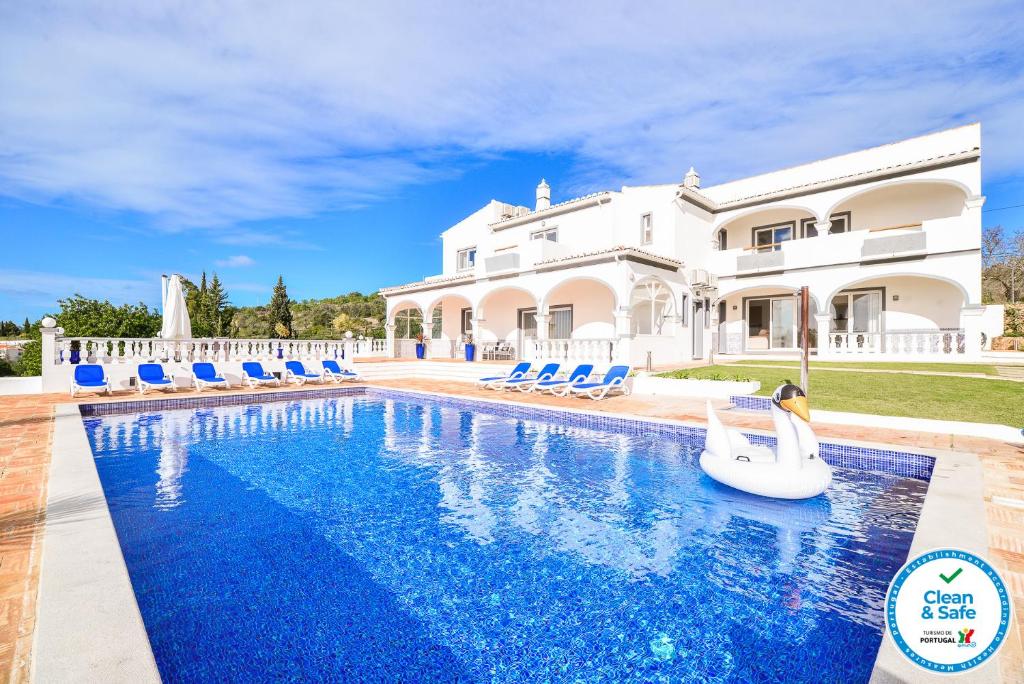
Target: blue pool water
<point>387,538</point>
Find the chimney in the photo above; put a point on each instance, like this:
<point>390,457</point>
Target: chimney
<point>691,179</point>
<point>543,195</point>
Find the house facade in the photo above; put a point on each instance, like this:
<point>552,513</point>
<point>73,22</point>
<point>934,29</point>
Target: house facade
<point>887,240</point>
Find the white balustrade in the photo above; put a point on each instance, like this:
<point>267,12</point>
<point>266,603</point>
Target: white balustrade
<point>113,350</point>
<point>577,350</point>
<point>947,342</point>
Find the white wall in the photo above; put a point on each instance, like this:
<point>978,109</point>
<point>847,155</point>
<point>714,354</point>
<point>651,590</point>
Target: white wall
<point>903,203</point>
<point>593,306</point>
<point>923,304</point>
<point>501,313</point>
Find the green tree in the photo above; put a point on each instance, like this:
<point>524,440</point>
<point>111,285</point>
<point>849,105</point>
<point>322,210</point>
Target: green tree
<point>25,329</point>
<point>217,305</point>
<point>280,310</point>
<point>84,317</point>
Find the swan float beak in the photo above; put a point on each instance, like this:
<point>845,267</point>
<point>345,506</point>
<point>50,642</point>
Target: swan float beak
<point>797,405</point>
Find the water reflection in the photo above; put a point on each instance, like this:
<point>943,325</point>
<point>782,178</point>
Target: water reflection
<point>629,503</point>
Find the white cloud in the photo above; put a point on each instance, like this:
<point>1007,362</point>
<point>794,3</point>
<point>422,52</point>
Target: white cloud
<point>212,115</point>
<point>237,261</point>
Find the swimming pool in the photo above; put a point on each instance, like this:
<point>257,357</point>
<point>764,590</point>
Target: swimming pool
<point>382,536</point>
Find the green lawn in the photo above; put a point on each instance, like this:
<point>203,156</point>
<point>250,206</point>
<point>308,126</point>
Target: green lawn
<point>977,400</point>
<point>984,368</point>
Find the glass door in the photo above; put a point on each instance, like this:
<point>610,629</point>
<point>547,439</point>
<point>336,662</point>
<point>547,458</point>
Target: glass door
<point>783,327</point>
<point>771,323</point>
<point>560,323</point>
<point>867,312</point>
<point>527,329</point>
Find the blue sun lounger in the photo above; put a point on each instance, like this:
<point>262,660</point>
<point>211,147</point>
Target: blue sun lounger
<point>614,381</point>
<point>296,372</point>
<point>89,377</point>
<point>334,372</point>
<point>253,375</point>
<point>205,375</point>
<point>525,383</point>
<point>152,376</point>
<point>561,386</point>
<point>519,371</point>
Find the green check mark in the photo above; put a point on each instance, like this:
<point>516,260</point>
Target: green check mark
<point>952,577</point>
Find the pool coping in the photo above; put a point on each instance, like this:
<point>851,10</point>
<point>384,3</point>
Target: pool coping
<point>84,579</point>
<point>88,624</point>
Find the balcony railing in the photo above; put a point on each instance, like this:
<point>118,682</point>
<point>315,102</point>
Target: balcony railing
<point>945,342</point>
<point>575,350</point>
<point>931,236</point>
<point>114,350</point>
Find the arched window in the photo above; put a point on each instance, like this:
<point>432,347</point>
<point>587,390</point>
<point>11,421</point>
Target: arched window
<point>652,308</point>
<point>408,323</point>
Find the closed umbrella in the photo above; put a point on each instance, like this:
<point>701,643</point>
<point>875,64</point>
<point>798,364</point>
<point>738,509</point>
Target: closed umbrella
<point>177,325</point>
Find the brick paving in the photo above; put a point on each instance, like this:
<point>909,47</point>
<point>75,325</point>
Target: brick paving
<point>26,424</point>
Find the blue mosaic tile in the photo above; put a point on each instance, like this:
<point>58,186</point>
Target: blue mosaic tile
<point>353,534</point>
<point>749,402</point>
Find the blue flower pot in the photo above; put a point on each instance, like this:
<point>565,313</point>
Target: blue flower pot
<point>280,352</point>
<point>470,352</point>
<point>76,356</point>
<point>421,350</point>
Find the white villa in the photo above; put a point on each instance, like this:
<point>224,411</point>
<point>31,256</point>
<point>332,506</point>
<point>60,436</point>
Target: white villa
<point>886,239</point>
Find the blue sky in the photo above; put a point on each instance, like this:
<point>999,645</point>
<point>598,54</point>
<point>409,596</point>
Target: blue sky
<point>333,144</point>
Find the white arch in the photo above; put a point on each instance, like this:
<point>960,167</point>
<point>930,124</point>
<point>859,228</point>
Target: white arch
<point>902,274</point>
<point>545,301</point>
<point>765,208</point>
<point>429,309</point>
<point>901,181</point>
<point>481,304</point>
<point>402,305</point>
<point>654,290</point>
<point>769,286</point>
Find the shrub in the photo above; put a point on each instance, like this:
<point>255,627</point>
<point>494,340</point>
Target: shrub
<point>1013,320</point>
<point>31,361</point>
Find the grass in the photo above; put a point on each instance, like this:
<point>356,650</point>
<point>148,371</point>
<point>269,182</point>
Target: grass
<point>983,368</point>
<point>975,400</point>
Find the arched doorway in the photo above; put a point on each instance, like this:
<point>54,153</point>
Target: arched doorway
<point>652,308</point>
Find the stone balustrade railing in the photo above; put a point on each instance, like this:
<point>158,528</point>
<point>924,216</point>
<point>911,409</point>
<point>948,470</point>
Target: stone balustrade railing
<point>947,342</point>
<point>575,350</point>
<point>111,350</point>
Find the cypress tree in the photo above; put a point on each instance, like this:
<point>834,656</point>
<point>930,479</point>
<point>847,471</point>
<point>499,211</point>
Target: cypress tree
<point>26,327</point>
<point>217,301</point>
<point>280,311</point>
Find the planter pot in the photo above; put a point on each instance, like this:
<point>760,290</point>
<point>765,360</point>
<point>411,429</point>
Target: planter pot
<point>470,352</point>
<point>421,350</point>
<point>280,352</point>
<point>76,356</point>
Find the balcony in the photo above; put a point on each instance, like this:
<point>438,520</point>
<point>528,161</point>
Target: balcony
<point>859,246</point>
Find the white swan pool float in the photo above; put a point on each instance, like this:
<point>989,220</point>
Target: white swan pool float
<point>793,470</point>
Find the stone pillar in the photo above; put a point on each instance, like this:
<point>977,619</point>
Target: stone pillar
<point>389,340</point>
<point>51,334</point>
<point>824,320</point>
<point>349,345</point>
<point>623,336</point>
<point>970,321</point>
